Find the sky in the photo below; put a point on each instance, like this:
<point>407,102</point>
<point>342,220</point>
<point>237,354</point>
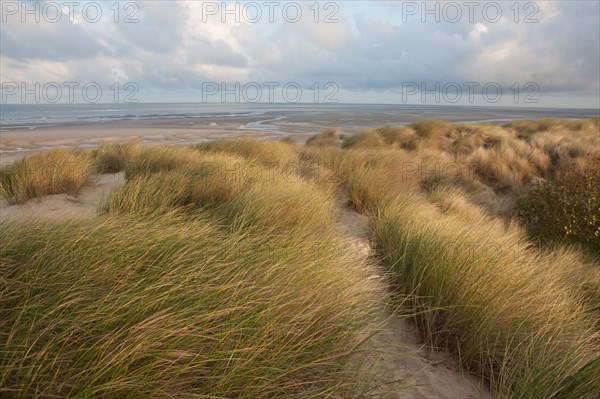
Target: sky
<point>504,53</point>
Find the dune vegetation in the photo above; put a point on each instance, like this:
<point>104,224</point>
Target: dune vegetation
<point>444,222</point>
<point>55,172</point>
<point>172,306</point>
<point>216,270</point>
<point>204,275</point>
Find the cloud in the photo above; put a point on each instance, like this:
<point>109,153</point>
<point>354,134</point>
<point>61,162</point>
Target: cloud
<point>372,47</point>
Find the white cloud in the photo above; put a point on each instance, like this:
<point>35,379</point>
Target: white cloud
<point>173,47</point>
<point>477,31</point>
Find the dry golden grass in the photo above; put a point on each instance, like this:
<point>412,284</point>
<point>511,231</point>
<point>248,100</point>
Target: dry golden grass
<point>580,271</point>
<point>240,189</point>
<point>385,136</point>
<point>211,273</point>
<point>272,154</point>
<point>364,140</point>
<point>55,172</point>
<point>502,307</point>
<point>114,157</point>
<point>215,270</point>
<point>503,170</point>
<point>327,138</point>
<point>161,159</point>
<point>400,136</point>
<point>524,318</point>
<point>509,159</point>
<point>369,174</point>
<point>433,128</point>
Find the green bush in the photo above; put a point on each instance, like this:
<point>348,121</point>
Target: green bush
<point>566,207</point>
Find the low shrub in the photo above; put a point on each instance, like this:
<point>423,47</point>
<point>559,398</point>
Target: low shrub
<point>566,207</point>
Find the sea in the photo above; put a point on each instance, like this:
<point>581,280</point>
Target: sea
<point>33,116</point>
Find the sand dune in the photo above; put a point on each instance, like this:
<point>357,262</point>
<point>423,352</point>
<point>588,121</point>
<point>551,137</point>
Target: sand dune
<point>402,366</point>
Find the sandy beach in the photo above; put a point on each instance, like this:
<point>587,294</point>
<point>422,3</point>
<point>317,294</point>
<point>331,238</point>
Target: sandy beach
<point>298,122</point>
<point>16,143</point>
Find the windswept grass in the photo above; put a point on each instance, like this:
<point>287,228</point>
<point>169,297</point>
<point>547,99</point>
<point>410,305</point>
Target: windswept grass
<point>504,171</point>
<point>174,307</point>
<point>509,160</point>
<point>244,192</point>
<point>327,138</point>
<point>432,127</point>
<point>501,307</point>
<point>114,157</point>
<point>156,193</point>
<point>55,172</point>
<point>365,139</point>
<point>384,136</point>
<point>581,272</point>
<point>161,159</point>
<point>216,271</point>
<point>401,136</point>
<point>523,318</point>
<point>273,154</point>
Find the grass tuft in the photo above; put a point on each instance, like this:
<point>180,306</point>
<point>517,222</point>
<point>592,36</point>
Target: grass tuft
<point>55,172</point>
<point>327,138</point>
<point>114,157</point>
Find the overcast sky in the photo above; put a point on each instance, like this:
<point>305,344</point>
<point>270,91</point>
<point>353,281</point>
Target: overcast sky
<point>547,52</point>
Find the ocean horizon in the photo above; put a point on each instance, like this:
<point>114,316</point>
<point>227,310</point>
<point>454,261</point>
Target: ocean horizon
<point>32,116</point>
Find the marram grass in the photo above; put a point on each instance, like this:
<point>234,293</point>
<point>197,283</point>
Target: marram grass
<point>523,318</point>
<point>504,309</point>
<point>243,192</point>
<point>114,157</point>
<point>165,306</point>
<point>56,172</point>
<point>215,270</point>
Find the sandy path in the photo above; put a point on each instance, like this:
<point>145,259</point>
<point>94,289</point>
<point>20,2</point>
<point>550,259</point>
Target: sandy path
<point>61,206</point>
<point>403,367</point>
